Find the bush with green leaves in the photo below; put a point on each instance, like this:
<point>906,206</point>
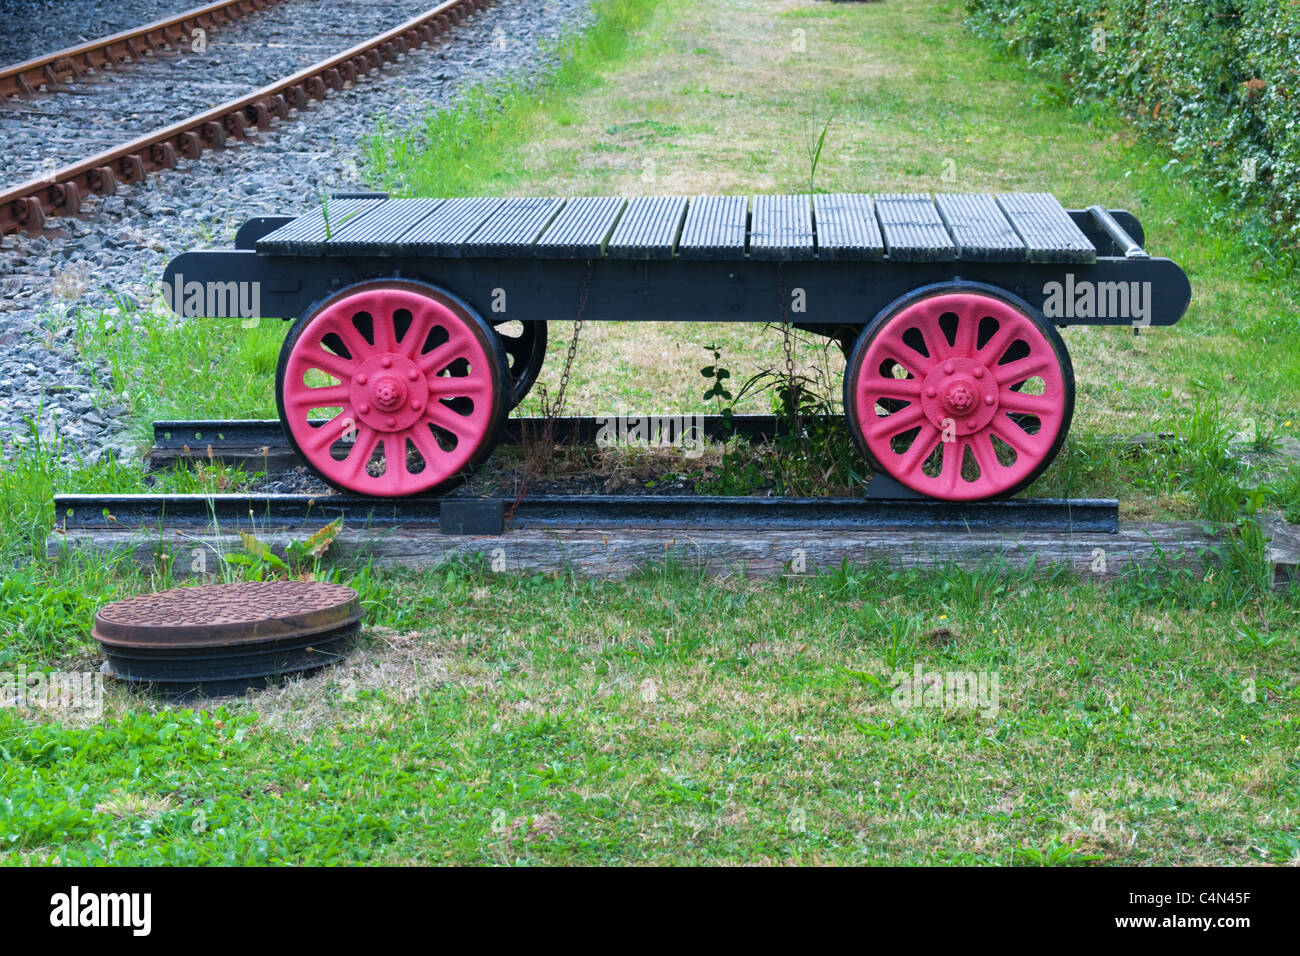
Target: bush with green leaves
<point>1219,80</point>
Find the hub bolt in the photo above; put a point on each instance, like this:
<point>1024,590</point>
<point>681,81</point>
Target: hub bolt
<point>979,371</point>
<point>362,379</point>
<point>412,375</point>
<point>363,408</point>
<point>391,422</point>
<point>417,406</point>
<point>988,399</point>
<point>948,369</point>
<point>386,361</point>
<point>932,391</point>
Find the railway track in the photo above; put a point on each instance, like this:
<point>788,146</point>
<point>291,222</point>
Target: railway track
<point>196,512</point>
<point>614,535</point>
<point>60,187</point>
<point>56,72</point>
<point>261,444</point>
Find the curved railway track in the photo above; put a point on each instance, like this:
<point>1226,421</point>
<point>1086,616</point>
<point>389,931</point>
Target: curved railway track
<point>59,191</point>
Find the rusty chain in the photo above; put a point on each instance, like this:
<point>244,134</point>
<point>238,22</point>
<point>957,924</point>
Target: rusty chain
<point>792,391</point>
<point>553,411</point>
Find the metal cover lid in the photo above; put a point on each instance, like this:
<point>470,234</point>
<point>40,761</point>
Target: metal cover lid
<point>221,615</point>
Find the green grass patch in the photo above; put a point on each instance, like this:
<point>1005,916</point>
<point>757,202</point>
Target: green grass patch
<point>672,719</point>
<point>469,147</point>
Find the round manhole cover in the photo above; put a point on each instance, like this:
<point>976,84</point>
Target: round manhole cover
<point>219,615</point>
<point>226,638</point>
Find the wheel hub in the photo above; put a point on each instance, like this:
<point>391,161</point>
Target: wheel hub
<point>963,391</point>
<point>389,393</point>
<point>960,399</point>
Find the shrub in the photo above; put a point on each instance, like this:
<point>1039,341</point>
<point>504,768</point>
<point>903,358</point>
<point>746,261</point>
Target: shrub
<point>1218,80</point>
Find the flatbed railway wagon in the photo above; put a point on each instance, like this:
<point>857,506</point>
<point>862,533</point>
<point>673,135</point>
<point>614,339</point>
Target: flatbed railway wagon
<point>418,324</point>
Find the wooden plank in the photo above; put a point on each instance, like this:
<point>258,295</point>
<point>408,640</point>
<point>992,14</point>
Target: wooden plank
<point>305,236</point>
<point>846,227</point>
<point>979,229</point>
<point>714,228</point>
<point>377,233</point>
<point>581,229</point>
<point>648,229</point>
<point>1048,232</point>
<point>444,232</point>
<point>513,229</point>
<point>1282,550</point>
<point>609,553</point>
<point>912,228</point>
<point>782,228</point>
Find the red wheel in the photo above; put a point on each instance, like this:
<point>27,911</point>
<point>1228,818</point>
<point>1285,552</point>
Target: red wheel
<point>960,392</point>
<point>391,388</point>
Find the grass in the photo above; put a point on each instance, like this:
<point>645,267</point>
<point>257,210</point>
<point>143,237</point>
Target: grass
<point>503,718</point>
<point>507,719</point>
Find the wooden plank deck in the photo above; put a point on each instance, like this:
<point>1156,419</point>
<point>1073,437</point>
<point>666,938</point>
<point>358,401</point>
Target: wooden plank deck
<point>513,228</point>
<point>649,228</point>
<point>1046,228</point>
<point>846,227</point>
<point>782,228</point>
<point>582,228</point>
<point>306,235</point>
<point>979,229</point>
<point>714,228</point>
<point>911,227</point>
<point>446,230</point>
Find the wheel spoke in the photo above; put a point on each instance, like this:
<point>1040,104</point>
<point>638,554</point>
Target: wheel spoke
<point>426,444</point>
<point>967,333</point>
<point>1021,369</point>
<point>395,456</point>
<point>1011,401</point>
<point>327,396</point>
<point>986,455</point>
<point>438,358</point>
<point>912,459</point>
<point>422,322</point>
<point>889,426</point>
<point>361,452</point>
<point>353,340</point>
<point>1015,436</point>
<point>324,436</point>
<point>935,341</point>
<point>327,362</point>
<point>382,326</point>
<point>950,471</point>
<point>996,346</point>
<point>895,348</point>
<point>907,388</point>
<point>458,386</point>
<point>445,418</point>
